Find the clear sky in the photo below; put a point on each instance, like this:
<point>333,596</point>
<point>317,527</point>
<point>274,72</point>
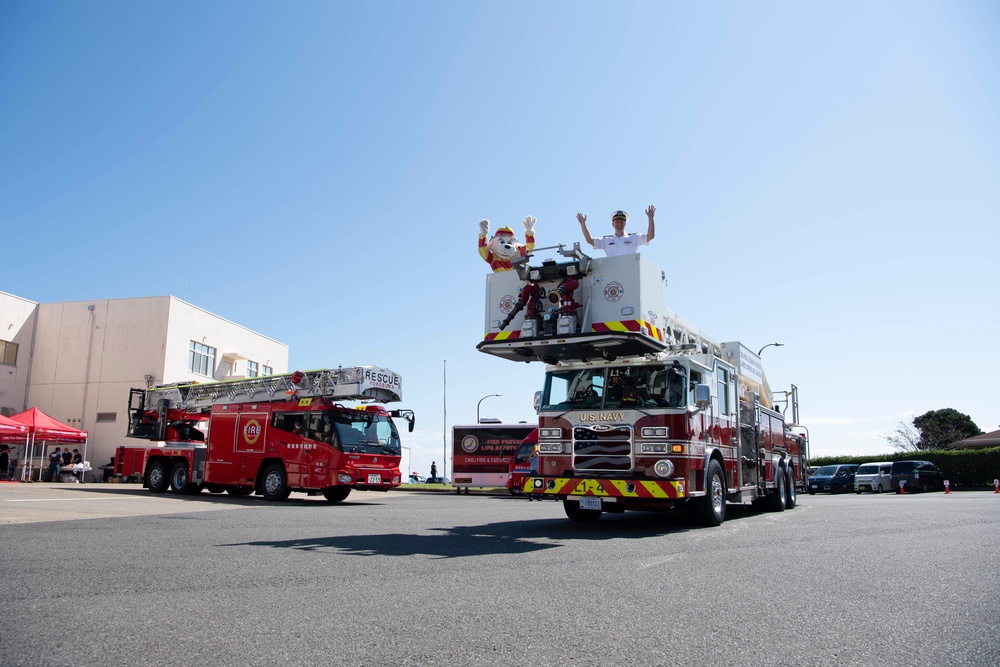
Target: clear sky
<point>826,175</point>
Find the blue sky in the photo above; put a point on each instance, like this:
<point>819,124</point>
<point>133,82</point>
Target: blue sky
<point>825,175</point>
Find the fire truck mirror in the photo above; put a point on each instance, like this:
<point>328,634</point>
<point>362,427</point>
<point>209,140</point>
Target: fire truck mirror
<point>702,395</point>
<point>537,401</point>
<point>408,415</point>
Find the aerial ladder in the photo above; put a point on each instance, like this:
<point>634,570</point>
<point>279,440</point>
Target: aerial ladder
<point>154,408</point>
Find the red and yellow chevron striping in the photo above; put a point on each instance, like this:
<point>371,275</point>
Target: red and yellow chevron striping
<point>503,335</point>
<point>638,326</point>
<point>618,488</point>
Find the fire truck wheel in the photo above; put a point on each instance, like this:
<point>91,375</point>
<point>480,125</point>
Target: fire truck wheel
<point>337,494</point>
<point>179,479</point>
<point>710,510</point>
<point>790,492</point>
<point>574,512</point>
<point>273,484</point>
<point>776,499</point>
<point>157,477</point>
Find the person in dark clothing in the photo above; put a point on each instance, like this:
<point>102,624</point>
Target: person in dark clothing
<point>55,465</point>
<point>77,459</point>
<point>4,461</point>
<point>434,469</point>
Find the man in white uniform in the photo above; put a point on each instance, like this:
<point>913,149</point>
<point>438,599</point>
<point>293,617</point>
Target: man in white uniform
<point>619,243</point>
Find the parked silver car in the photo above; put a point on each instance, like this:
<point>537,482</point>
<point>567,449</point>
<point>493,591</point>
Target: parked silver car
<point>874,477</point>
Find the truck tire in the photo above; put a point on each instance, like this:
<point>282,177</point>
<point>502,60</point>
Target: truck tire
<point>776,499</point>
<point>710,510</point>
<point>157,478</point>
<point>336,494</point>
<point>274,483</point>
<point>179,479</point>
<point>791,494</point>
<point>573,511</point>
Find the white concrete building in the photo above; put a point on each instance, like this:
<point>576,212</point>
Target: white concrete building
<point>76,361</point>
<point>17,325</point>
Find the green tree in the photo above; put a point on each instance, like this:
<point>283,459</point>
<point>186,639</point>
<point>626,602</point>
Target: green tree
<point>940,428</point>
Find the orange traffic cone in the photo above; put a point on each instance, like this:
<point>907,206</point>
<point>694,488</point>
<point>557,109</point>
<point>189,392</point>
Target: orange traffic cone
<point>902,487</point>
<point>996,486</point>
<point>947,486</point>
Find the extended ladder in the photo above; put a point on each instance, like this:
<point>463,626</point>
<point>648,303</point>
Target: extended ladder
<point>357,383</point>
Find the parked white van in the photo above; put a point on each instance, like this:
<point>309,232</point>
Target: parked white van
<point>873,477</point>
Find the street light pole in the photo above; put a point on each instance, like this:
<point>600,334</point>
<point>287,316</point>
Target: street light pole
<point>769,345</point>
<point>480,402</point>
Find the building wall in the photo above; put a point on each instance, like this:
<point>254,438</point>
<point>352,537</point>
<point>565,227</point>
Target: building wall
<point>17,325</point>
<point>189,323</point>
<point>88,354</point>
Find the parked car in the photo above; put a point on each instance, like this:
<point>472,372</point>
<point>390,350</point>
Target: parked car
<point>437,480</point>
<point>917,476</point>
<point>833,478</point>
<point>873,477</point>
<point>416,478</point>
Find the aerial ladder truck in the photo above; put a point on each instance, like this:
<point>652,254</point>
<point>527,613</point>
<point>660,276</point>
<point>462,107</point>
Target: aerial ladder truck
<point>269,435</point>
<point>640,409</point>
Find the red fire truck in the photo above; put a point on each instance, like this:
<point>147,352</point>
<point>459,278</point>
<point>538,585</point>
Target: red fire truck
<point>521,465</point>
<point>640,409</point>
<point>269,435</point>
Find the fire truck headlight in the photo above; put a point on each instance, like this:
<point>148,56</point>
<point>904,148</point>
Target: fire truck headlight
<point>344,479</point>
<point>664,468</point>
<point>655,432</point>
<point>550,448</point>
<point>550,433</point>
<point>538,483</point>
<point>653,448</point>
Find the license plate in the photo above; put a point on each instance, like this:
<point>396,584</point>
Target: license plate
<point>864,487</point>
<point>812,486</point>
<point>590,503</point>
<point>374,479</point>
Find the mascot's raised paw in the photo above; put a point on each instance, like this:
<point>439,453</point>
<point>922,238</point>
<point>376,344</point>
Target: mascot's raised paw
<point>500,250</point>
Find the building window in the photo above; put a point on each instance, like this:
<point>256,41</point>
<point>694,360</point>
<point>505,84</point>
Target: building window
<point>268,370</point>
<point>107,417</point>
<point>8,353</point>
<point>251,369</point>
<point>201,359</point>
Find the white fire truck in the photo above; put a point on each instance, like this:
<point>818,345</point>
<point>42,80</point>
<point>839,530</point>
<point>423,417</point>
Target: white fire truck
<point>270,435</point>
<point>640,409</point>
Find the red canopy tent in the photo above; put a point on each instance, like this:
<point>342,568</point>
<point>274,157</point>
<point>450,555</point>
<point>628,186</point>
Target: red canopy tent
<point>44,428</point>
<point>11,431</point>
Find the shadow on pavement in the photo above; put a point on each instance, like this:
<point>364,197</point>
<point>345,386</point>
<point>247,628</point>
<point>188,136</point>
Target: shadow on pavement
<point>506,537</point>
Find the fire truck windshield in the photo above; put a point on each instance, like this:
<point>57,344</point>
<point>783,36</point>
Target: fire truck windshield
<point>365,432</point>
<point>652,386</point>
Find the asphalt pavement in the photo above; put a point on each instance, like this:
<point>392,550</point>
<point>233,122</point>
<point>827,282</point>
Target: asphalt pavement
<point>103,574</point>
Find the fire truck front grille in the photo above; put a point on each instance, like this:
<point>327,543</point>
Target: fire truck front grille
<point>601,448</point>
